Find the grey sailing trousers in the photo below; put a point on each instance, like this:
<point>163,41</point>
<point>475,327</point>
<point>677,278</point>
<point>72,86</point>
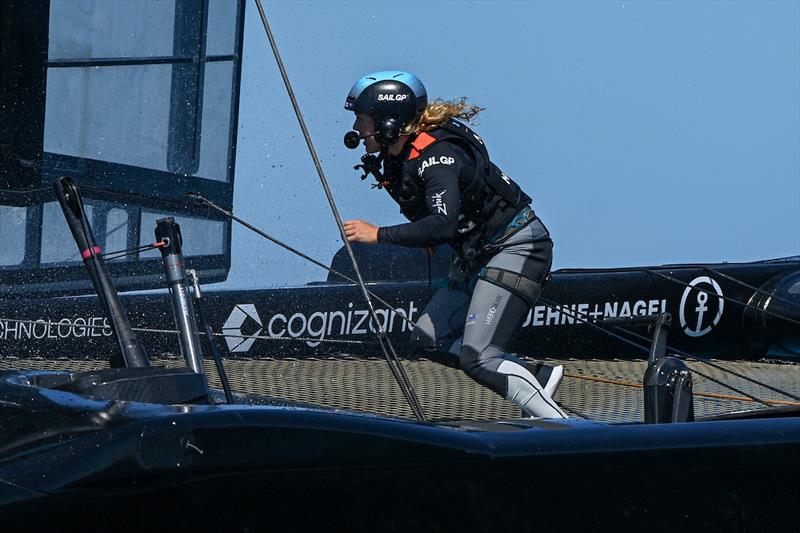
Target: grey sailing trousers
<point>478,327</point>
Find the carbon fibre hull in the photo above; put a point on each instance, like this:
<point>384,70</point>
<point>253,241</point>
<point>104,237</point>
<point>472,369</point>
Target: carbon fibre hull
<point>107,465</point>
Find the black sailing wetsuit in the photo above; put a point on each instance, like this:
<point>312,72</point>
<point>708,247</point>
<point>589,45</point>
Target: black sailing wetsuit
<point>433,181</point>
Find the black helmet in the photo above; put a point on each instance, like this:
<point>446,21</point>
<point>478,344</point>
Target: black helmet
<point>394,99</point>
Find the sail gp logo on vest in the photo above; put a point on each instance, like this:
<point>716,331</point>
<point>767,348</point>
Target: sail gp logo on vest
<point>438,203</point>
<point>392,97</point>
<point>441,160</point>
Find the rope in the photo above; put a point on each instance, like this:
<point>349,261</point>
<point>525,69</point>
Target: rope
<point>636,345</point>
<point>676,352</point>
<point>584,377</point>
<point>599,379</point>
<point>130,251</point>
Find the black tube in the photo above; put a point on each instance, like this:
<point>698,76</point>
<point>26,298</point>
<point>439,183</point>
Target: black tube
<point>132,354</point>
<point>223,376</point>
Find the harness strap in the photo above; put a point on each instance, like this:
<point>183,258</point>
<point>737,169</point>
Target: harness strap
<point>525,288</point>
<point>422,141</point>
<point>521,220</point>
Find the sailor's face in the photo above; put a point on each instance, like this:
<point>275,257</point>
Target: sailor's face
<point>365,126</point>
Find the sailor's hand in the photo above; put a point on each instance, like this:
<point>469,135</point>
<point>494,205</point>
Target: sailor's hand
<point>428,251</point>
<point>360,231</point>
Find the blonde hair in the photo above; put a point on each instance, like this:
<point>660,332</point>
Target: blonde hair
<point>440,112</point>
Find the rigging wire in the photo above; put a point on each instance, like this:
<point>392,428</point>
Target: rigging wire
<point>295,251</point>
<point>113,230</point>
<point>109,256</point>
<point>719,367</point>
<point>550,304</point>
<point>269,237</point>
<point>584,319</point>
<point>651,271</point>
<point>751,287</point>
<point>715,295</point>
<point>714,395</point>
<point>175,332</point>
<point>120,253</point>
<point>744,397</point>
<point>212,343</point>
<point>386,345</point>
<point>574,411</point>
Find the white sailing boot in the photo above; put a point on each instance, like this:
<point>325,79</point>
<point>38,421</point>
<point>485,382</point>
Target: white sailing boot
<point>549,377</point>
<point>525,391</point>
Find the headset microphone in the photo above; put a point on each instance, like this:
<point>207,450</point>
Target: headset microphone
<point>351,139</point>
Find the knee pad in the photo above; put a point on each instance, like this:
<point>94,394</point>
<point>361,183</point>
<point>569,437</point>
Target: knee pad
<point>424,334</point>
<point>422,339</point>
<point>525,288</point>
<point>487,359</point>
<point>469,359</point>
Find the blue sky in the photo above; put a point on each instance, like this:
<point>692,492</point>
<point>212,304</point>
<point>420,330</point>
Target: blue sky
<point>646,132</point>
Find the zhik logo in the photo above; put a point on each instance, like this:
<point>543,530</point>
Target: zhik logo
<point>234,338</point>
<point>438,203</point>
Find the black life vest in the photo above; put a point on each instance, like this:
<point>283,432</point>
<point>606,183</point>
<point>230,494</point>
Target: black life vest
<point>488,177</point>
<point>489,198</point>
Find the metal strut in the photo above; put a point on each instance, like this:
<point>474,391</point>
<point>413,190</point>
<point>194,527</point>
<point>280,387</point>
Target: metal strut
<point>131,355</point>
<point>386,346</point>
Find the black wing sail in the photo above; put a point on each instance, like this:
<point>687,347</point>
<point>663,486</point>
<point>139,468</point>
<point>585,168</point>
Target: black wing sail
<point>138,113</point>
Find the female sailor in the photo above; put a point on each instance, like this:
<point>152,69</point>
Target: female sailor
<point>439,172</point>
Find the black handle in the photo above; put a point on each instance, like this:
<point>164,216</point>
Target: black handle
<point>131,352</point>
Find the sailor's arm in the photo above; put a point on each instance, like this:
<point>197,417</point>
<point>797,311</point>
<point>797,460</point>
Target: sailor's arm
<point>442,199</point>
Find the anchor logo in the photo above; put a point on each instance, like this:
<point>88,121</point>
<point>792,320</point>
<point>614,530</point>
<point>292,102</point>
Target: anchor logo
<point>234,338</point>
<point>701,306</point>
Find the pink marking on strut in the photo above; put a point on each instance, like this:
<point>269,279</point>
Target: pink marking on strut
<point>89,252</point>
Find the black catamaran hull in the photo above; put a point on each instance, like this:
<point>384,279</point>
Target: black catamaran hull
<point>131,465</point>
<point>713,316</point>
<point>83,451</point>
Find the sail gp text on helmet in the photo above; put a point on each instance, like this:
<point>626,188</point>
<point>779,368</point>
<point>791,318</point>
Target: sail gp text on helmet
<point>392,97</point>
